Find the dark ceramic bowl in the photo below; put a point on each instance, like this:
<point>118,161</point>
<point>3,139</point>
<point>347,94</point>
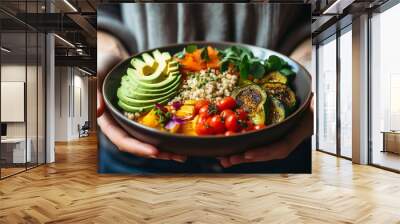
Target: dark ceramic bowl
<point>208,145</point>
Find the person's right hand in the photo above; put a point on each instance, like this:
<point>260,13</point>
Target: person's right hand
<point>110,52</point>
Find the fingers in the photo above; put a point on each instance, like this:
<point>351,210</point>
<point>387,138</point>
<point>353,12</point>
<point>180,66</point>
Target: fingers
<point>126,143</point>
<point>225,162</point>
<point>171,156</point>
<point>100,104</point>
<point>122,140</point>
<point>178,158</point>
<point>110,51</point>
<point>278,150</point>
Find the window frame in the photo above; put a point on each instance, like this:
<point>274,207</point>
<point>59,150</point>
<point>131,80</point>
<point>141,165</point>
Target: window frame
<point>378,10</point>
<point>333,37</point>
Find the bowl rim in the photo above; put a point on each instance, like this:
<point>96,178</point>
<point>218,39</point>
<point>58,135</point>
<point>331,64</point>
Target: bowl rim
<point>117,112</point>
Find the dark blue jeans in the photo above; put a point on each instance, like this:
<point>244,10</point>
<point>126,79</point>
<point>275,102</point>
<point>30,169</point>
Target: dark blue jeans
<point>111,160</point>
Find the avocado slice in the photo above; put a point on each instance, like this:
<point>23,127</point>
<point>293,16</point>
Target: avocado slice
<point>149,60</point>
<point>135,82</point>
<point>135,94</point>
<point>166,56</point>
<point>133,109</point>
<point>140,102</point>
<point>142,67</point>
<point>149,78</point>
<point>143,90</point>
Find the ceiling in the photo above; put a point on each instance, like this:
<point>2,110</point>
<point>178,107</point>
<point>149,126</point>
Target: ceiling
<point>75,22</point>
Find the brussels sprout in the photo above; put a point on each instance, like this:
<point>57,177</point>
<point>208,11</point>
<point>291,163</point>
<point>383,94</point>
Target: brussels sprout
<point>275,77</point>
<point>283,93</point>
<point>276,111</point>
<point>252,99</point>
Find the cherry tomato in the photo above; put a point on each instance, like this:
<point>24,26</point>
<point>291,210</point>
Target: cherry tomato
<point>202,119</point>
<point>199,104</point>
<point>202,128</point>
<point>260,126</point>
<point>242,114</point>
<point>208,110</point>
<point>225,113</point>
<point>231,123</point>
<point>217,124</point>
<point>229,133</point>
<point>203,112</point>
<point>249,126</point>
<point>226,103</point>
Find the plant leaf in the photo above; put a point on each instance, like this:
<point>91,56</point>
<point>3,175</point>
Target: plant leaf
<point>204,54</point>
<point>180,54</point>
<point>287,72</point>
<point>244,68</point>
<point>257,70</point>
<point>191,48</point>
<point>274,62</point>
<point>224,66</point>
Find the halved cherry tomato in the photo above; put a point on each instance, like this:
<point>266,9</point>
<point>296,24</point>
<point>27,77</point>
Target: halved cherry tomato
<point>202,128</point>
<point>260,126</point>
<point>231,123</point>
<point>217,124</point>
<point>225,113</point>
<point>208,110</point>
<point>229,133</point>
<point>203,111</point>
<point>226,103</point>
<point>199,104</point>
<point>241,114</point>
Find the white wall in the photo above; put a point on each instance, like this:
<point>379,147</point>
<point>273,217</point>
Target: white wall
<point>61,103</point>
<point>33,126</point>
<point>71,94</point>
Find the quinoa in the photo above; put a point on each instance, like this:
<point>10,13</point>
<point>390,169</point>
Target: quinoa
<point>132,116</point>
<point>207,84</point>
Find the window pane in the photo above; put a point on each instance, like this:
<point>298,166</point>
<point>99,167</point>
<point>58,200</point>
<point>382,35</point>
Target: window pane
<point>15,150</point>
<point>327,97</point>
<point>385,83</point>
<point>346,94</point>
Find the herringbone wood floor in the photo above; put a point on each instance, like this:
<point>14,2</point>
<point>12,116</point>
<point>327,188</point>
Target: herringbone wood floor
<point>70,191</point>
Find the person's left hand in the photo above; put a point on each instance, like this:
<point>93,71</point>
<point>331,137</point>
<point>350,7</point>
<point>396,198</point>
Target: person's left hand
<point>277,150</point>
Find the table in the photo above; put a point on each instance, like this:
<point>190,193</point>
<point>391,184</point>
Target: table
<point>391,141</point>
<point>15,148</point>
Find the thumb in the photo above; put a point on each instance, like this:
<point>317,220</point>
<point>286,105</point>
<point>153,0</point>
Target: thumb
<point>100,104</point>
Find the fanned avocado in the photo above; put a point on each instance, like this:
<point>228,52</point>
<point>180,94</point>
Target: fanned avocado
<point>155,79</point>
<point>252,99</point>
<point>149,60</point>
<point>283,93</point>
<point>136,89</point>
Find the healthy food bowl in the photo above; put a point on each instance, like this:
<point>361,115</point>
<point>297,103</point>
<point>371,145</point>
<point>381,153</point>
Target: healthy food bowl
<point>207,98</point>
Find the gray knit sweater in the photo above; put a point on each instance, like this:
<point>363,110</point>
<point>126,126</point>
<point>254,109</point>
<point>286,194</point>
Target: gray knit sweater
<point>141,26</point>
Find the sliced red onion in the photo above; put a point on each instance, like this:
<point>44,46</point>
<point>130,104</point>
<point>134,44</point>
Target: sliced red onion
<point>176,105</point>
<point>173,123</point>
<point>161,107</point>
<point>185,118</point>
<point>178,120</point>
